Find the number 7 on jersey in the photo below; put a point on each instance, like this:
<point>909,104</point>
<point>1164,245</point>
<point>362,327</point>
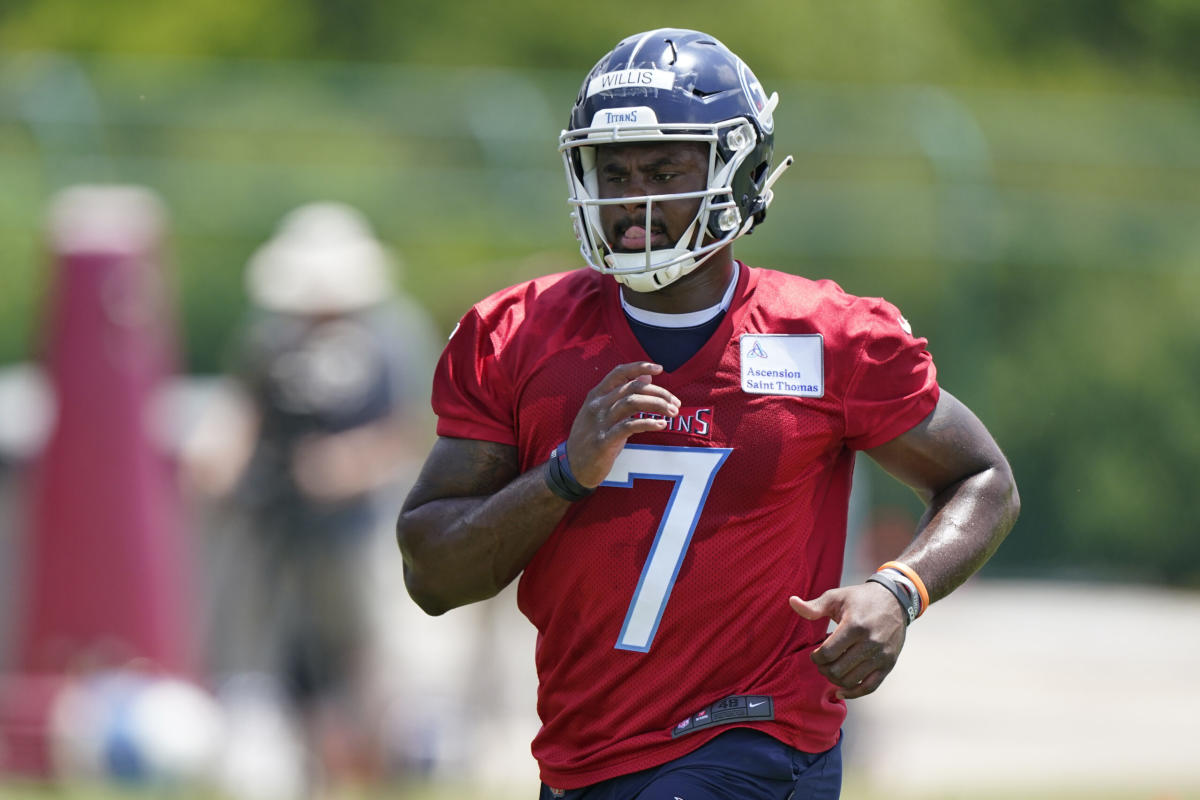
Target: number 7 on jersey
<point>692,470</point>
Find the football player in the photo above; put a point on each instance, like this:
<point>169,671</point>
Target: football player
<point>661,446</point>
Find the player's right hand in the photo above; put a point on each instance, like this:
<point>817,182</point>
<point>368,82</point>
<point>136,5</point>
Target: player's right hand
<point>611,413</point>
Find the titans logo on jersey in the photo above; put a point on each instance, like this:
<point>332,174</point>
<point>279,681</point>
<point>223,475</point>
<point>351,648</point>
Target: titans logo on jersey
<point>690,421</point>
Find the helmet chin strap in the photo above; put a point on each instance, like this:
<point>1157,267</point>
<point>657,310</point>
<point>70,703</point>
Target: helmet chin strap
<point>677,261</point>
<point>655,279</point>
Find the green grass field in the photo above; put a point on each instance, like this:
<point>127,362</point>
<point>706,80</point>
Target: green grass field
<point>853,790</point>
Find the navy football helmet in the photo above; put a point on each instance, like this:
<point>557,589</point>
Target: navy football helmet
<point>672,85</point>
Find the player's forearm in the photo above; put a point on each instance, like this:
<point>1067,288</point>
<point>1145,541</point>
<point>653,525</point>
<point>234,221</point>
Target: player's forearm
<point>461,550</point>
<point>962,527</point>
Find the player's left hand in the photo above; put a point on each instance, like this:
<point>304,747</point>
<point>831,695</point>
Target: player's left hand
<point>863,648</point>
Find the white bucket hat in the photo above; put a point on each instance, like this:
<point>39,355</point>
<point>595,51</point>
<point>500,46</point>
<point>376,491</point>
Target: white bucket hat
<point>323,258</point>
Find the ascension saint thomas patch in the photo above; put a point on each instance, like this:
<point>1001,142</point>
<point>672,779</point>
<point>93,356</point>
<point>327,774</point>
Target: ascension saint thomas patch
<point>783,364</point>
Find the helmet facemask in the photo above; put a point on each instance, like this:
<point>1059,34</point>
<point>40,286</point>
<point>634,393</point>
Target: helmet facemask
<point>719,218</point>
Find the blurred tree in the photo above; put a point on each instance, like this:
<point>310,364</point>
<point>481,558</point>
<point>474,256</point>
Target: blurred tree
<point>882,39</point>
<point>1153,35</point>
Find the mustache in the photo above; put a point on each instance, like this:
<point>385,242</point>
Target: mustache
<point>625,223</point>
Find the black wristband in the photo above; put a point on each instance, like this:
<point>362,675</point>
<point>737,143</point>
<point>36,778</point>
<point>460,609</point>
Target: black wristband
<point>559,478</point>
<point>907,603</point>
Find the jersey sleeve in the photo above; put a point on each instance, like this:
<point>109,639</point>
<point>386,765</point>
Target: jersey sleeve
<point>894,384</point>
<point>472,395</point>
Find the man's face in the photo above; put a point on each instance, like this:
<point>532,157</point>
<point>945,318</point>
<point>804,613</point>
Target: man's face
<point>649,168</point>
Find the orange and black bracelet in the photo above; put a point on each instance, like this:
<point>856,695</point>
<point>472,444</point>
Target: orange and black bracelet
<point>909,573</point>
<point>907,587</point>
<point>909,602</point>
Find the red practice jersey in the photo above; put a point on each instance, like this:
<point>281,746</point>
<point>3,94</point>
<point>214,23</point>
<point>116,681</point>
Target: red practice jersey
<point>661,600</point>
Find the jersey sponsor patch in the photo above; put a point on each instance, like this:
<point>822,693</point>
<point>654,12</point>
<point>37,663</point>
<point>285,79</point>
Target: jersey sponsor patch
<point>783,364</point>
<point>735,708</point>
<point>631,79</point>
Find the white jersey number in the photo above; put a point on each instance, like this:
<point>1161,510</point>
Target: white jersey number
<point>692,470</point>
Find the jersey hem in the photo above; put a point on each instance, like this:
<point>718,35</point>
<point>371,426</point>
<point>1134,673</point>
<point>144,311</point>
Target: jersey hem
<point>578,779</point>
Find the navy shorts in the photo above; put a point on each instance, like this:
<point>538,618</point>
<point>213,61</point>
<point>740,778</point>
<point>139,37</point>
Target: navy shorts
<point>741,764</point>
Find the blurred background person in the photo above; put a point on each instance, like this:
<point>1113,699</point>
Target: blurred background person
<point>312,438</point>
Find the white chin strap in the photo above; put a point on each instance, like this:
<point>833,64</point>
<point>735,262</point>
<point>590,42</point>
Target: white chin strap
<point>655,279</point>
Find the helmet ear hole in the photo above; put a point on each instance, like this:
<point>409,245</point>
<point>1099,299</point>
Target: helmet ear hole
<point>758,175</point>
<point>756,205</point>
